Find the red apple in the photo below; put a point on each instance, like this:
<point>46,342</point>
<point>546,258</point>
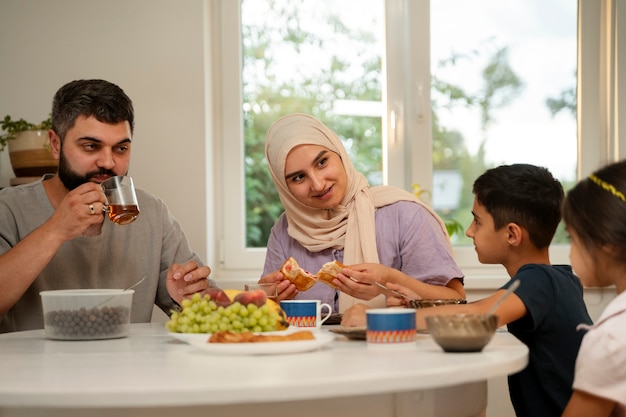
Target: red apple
<point>219,296</point>
<point>257,297</point>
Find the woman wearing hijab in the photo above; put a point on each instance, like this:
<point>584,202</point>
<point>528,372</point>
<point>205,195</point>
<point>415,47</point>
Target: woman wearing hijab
<point>332,213</point>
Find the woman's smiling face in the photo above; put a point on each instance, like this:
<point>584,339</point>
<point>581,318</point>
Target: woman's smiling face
<point>315,176</point>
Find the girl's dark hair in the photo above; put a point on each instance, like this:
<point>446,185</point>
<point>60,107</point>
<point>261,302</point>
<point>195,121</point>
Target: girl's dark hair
<point>98,98</point>
<point>524,194</point>
<point>596,211</point>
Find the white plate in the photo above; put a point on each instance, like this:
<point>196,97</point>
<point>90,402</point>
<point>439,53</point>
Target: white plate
<point>200,338</point>
<point>191,338</point>
<point>263,348</point>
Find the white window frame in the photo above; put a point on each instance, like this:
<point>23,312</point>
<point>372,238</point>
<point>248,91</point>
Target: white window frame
<point>601,62</point>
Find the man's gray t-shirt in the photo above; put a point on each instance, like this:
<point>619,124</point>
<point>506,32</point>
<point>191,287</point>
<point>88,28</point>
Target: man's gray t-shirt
<point>117,258</point>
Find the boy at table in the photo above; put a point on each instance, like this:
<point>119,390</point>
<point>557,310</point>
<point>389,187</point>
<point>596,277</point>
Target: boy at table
<point>53,232</point>
<point>517,209</point>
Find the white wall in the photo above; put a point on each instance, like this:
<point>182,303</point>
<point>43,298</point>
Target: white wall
<point>154,50</point>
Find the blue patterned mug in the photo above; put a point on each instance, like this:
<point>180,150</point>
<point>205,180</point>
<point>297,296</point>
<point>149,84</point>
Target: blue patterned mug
<point>306,313</point>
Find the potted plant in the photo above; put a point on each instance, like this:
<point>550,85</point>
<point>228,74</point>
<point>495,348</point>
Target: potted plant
<point>29,148</point>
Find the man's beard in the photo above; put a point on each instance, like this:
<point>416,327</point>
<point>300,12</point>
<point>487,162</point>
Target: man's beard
<point>71,179</point>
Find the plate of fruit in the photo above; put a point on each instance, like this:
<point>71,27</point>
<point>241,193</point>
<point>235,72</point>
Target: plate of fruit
<point>237,322</point>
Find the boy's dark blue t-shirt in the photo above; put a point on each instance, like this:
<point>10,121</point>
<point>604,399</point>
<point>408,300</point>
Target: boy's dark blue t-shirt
<point>553,296</point>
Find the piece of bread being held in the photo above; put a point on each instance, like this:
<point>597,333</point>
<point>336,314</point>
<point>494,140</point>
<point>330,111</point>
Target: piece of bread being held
<point>302,279</point>
<point>329,271</point>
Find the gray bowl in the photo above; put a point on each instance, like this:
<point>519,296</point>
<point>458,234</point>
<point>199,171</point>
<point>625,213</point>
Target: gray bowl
<point>462,332</point>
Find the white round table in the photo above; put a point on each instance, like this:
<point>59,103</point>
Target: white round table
<point>150,373</point>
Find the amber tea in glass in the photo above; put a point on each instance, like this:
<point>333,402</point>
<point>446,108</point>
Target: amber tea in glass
<point>122,201</point>
<point>121,214</point>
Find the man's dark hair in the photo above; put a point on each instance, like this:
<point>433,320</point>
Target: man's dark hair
<point>524,194</point>
<point>98,98</point>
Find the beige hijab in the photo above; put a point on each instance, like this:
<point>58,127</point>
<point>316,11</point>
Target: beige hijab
<point>350,225</point>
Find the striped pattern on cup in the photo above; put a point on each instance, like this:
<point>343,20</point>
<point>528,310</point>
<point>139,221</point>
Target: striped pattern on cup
<point>391,336</point>
<point>302,321</point>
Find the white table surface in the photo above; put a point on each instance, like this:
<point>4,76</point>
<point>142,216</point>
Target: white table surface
<point>151,370</point>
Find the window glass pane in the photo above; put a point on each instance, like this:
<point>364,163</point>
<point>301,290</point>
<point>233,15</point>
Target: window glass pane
<point>503,91</point>
<point>319,57</point>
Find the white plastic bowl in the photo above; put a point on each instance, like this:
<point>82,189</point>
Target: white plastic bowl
<point>86,314</point>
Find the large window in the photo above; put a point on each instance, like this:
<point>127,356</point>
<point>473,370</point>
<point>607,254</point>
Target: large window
<point>421,94</point>
<point>502,91</point>
<point>322,58</point>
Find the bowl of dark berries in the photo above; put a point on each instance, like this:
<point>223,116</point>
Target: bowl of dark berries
<point>86,314</point>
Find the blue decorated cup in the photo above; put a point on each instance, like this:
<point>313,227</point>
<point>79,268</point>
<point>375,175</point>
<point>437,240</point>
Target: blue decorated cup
<point>390,326</point>
<point>306,313</point>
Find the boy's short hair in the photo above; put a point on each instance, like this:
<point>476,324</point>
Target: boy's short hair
<point>524,194</point>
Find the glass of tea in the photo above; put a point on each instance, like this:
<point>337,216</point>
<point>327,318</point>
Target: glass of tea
<point>271,289</point>
<point>120,192</point>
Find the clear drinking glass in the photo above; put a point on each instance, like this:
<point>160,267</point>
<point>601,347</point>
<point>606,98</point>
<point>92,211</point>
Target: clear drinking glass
<point>122,206</point>
<point>271,289</point>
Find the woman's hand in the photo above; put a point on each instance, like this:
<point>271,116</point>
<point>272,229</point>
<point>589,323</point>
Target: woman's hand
<point>285,288</point>
<point>358,280</point>
<point>397,301</point>
<point>368,273</point>
<point>360,290</point>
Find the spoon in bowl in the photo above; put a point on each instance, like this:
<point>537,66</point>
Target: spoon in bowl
<point>124,290</point>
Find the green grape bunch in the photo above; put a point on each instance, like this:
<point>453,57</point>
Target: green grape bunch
<point>207,314</point>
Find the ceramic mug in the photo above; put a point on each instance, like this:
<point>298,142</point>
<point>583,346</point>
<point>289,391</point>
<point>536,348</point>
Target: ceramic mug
<point>305,313</point>
<point>390,326</point>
